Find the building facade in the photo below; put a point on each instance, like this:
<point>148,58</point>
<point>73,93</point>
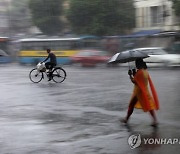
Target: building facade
<point>155,14</point>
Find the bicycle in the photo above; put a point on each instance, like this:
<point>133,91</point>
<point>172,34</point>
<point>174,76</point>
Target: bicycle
<point>58,74</point>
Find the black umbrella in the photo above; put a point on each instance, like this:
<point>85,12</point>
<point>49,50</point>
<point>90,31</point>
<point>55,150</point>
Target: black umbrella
<point>127,56</point>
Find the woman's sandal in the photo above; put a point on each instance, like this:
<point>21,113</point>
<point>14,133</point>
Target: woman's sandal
<point>123,121</point>
<point>155,124</point>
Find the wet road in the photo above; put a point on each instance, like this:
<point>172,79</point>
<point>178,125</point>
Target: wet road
<point>81,115</point>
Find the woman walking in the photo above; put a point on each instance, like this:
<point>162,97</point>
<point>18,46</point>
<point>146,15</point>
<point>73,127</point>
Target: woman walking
<point>142,98</point>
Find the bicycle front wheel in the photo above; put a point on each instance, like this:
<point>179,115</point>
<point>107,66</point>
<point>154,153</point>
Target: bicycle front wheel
<point>35,76</point>
<point>58,75</point>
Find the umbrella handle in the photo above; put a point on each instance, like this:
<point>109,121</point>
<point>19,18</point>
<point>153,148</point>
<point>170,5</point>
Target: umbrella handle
<point>129,66</point>
<point>129,71</point>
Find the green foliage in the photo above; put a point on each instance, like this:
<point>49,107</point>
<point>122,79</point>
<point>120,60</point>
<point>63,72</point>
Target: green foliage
<point>19,16</point>
<point>46,15</point>
<point>101,17</point>
<point>176,6</point>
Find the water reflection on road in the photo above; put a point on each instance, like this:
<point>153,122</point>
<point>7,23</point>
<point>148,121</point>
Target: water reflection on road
<point>82,114</point>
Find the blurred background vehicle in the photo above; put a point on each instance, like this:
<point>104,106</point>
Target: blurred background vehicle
<point>33,50</point>
<point>4,57</point>
<point>159,57</point>
<point>91,58</point>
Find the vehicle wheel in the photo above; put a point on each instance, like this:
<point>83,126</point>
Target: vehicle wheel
<point>167,64</point>
<point>35,76</point>
<point>58,75</point>
<point>76,64</point>
<point>103,65</point>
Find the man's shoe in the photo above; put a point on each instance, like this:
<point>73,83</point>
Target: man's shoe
<point>49,79</point>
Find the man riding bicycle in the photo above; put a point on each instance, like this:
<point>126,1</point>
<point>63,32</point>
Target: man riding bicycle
<point>50,64</point>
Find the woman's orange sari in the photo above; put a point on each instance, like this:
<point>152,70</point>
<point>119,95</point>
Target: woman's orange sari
<point>146,100</point>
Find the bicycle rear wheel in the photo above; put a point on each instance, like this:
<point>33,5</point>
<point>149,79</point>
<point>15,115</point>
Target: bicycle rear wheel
<point>35,76</point>
<point>58,75</point>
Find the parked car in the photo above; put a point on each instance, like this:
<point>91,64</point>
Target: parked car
<point>4,57</point>
<point>90,58</point>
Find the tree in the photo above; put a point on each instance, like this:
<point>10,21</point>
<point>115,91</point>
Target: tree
<point>46,15</point>
<point>101,17</point>
<point>176,7</point>
<point>19,16</point>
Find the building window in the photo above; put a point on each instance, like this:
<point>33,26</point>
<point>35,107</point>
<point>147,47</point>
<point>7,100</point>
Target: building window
<point>155,16</point>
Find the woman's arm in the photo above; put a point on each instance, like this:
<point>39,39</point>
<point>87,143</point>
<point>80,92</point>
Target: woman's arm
<point>132,79</point>
<point>131,76</point>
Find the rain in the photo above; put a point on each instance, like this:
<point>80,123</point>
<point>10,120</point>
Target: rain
<point>83,113</point>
